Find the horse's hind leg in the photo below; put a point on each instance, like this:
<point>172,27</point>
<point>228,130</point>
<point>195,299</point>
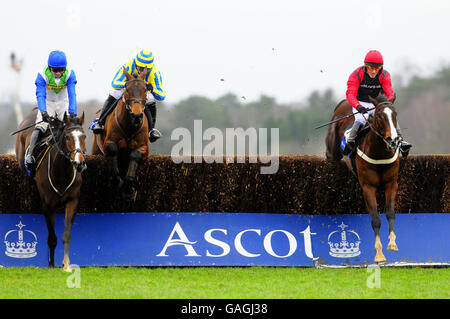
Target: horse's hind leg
<point>52,240</point>
<point>390,194</point>
<point>371,205</point>
<point>71,208</point>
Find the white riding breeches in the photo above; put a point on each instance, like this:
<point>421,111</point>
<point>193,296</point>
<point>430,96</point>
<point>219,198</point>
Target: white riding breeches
<point>362,118</point>
<point>53,109</point>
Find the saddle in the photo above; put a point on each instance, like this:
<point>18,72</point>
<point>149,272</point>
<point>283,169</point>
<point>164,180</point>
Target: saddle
<point>359,137</point>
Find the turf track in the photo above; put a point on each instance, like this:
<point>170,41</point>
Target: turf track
<point>225,282</point>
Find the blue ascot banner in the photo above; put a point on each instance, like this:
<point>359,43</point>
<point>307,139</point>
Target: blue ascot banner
<point>223,239</point>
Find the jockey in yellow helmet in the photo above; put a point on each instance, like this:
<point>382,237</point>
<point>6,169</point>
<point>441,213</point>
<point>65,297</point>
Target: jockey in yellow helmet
<point>144,59</point>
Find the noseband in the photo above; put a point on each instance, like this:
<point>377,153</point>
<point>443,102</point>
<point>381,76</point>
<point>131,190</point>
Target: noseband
<point>67,153</point>
<point>390,144</point>
<point>134,99</point>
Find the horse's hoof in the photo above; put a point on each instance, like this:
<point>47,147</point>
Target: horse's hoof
<point>380,259</point>
<point>117,183</point>
<point>130,195</point>
<point>67,269</point>
<point>392,247</point>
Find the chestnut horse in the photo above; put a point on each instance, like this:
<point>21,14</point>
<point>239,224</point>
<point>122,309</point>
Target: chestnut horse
<point>125,140</point>
<point>58,177</point>
<point>377,162</point>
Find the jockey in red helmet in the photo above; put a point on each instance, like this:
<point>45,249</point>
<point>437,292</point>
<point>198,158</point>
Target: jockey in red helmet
<point>369,80</point>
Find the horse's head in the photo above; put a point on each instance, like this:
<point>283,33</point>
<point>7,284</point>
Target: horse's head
<point>384,121</point>
<point>135,96</point>
<point>73,141</point>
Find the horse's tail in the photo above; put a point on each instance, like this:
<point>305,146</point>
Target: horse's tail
<point>332,140</point>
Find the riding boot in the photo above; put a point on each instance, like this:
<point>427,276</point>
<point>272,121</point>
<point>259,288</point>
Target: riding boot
<point>107,108</point>
<point>350,143</point>
<point>404,145</point>
<point>150,112</point>
<point>30,160</point>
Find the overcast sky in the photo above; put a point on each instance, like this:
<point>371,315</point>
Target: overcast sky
<point>284,49</point>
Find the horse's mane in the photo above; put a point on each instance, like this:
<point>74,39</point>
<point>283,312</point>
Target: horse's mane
<point>381,98</point>
<point>75,120</point>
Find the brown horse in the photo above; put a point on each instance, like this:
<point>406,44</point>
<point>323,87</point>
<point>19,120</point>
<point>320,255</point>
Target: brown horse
<point>58,177</point>
<point>125,140</point>
<point>377,162</point>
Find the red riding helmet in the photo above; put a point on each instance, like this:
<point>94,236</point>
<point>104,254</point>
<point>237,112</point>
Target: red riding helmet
<point>374,58</point>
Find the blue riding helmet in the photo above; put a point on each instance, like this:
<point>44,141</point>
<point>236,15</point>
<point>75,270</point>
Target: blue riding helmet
<point>57,59</point>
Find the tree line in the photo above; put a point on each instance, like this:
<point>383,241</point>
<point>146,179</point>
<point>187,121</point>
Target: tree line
<point>422,104</point>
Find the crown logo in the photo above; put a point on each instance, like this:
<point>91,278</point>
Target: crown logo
<point>348,246</point>
<point>17,247</point>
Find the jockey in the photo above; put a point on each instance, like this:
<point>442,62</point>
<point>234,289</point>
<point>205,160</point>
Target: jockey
<point>369,80</point>
<point>55,93</point>
<point>144,59</point>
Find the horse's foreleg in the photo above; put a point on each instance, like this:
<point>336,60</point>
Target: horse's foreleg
<point>130,178</point>
<point>71,208</point>
<point>390,194</point>
<point>111,153</point>
<point>52,240</point>
<point>371,206</point>
<point>135,156</point>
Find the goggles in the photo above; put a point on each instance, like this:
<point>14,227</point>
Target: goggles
<point>372,67</point>
<point>55,69</point>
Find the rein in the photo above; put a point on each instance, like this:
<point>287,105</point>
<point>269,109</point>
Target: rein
<point>379,161</point>
<point>134,99</point>
<point>141,101</point>
<point>60,151</point>
<point>375,130</point>
<point>65,155</point>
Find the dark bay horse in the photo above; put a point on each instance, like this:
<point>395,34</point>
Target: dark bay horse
<point>58,177</point>
<point>377,162</point>
<point>125,140</point>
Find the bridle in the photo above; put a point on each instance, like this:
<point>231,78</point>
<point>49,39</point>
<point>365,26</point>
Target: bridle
<point>391,144</point>
<point>128,101</point>
<point>66,153</point>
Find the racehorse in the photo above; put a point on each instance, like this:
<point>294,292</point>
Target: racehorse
<point>58,176</point>
<point>125,139</point>
<point>376,159</point>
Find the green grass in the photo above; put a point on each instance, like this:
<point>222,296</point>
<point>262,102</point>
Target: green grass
<point>227,282</point>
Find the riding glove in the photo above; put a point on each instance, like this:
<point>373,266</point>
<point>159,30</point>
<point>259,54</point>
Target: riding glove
<point>361,109</point>
<point>45,117</point>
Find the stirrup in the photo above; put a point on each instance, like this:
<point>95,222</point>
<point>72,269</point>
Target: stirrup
<point>97,128</point>
<point>154,135</point>
<point>30,160</point>
<point>349,146</point>
<point>404,148</point>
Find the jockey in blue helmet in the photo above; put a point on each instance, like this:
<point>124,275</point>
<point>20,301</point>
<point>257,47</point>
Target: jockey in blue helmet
<point>55,93</point>
<point>144,59</point>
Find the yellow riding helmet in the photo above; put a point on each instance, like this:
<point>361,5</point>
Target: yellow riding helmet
<point>144,59</point>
